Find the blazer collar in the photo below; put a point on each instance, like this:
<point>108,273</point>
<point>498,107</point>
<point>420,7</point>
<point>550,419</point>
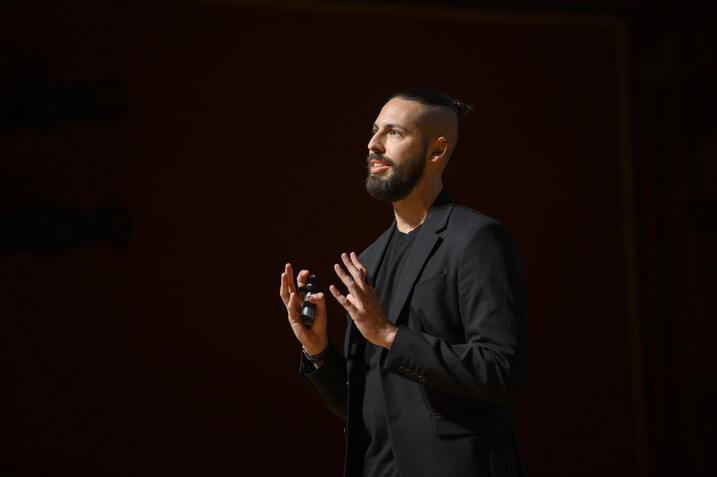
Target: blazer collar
<point>435,222</point>
<point>427,240</point>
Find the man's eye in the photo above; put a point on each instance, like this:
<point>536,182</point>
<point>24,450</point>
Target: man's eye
<point>393,132</point>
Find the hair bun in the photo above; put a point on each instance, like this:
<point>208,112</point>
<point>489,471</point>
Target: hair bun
<point>461,108</point>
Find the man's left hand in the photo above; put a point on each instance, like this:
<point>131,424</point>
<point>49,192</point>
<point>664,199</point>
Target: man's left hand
<point>362,303</point>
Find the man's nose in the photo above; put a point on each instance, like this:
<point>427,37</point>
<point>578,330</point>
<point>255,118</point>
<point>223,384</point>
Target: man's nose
<point>375,145</point>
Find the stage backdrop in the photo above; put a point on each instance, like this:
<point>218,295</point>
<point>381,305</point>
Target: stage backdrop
<point>162,161</point>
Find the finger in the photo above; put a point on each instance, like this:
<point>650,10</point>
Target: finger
<point>289,271</point>
<point>287,284</point>
<point>343,301</point>
<point>352,269</point>
<point>344,277</point>
<point>357,263</point>
<point>292,307</point>
<point>284,288</point>
<point>357,270</point>
<point>351,283</point>
<point>317,299</point>
<point>302,277</point>
<point>320,314</point>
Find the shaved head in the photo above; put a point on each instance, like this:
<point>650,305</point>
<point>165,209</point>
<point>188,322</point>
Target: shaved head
<point>440,115</point>
<point>439,121</point>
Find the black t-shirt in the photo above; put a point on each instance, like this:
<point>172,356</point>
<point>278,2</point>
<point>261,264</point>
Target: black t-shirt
<point>378,458</point>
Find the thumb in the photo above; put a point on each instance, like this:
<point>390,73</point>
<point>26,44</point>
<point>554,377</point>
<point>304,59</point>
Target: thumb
<point>319,300</point>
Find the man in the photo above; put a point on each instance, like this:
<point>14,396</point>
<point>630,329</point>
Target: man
<point>435,351</point>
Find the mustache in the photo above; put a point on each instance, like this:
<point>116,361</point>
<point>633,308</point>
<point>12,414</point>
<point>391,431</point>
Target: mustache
<point>379,157</point>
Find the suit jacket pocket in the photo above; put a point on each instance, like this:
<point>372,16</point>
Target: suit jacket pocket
<point>429,284</point>
<point>467,424</point>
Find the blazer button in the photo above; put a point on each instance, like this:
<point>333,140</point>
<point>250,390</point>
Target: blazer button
<point>421,379</point>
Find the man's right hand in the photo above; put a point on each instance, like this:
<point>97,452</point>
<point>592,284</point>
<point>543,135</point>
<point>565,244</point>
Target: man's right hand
<point>316,338</point>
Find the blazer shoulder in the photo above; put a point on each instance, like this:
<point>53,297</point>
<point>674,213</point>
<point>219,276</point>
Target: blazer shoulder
<point>467,220</point>
<point>468,229</point>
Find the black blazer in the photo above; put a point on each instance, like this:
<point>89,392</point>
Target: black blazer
<point>458,359</point>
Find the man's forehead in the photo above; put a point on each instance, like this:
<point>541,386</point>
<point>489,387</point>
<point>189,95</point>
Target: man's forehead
<point>401,111</point>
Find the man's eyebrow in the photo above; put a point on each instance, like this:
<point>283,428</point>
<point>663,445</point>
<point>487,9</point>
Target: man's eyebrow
<point>390,126</point>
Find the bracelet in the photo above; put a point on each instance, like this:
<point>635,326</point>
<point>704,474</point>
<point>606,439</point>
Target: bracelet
<point>315,358</point>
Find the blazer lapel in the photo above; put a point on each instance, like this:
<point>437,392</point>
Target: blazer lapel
<point>428,238</point>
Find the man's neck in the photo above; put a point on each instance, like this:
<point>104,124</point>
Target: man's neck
<point>412,211</point>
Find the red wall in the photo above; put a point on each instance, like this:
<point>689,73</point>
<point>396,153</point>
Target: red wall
<point>240,147</point>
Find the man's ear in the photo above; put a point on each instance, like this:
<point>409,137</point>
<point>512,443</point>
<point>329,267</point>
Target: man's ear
<point>439,148</point>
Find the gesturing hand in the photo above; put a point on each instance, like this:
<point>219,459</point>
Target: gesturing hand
<point>362,303</point>
<point>314,339</point>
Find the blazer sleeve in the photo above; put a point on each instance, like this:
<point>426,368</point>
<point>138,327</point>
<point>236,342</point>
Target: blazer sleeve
<point>329,381</point>
<point>490,363</point>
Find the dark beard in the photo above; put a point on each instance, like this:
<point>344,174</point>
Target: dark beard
<point>402,180</point>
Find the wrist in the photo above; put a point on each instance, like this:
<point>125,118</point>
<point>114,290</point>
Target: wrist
<point>389,336</point>
<point>315,349</point>
<point>316,357</point>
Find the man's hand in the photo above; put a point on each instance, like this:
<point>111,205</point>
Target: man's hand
<point>314,339</point>
<point>362,303</point>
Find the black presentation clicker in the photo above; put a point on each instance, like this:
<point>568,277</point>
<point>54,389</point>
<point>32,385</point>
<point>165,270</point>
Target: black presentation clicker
<point>308,308</point>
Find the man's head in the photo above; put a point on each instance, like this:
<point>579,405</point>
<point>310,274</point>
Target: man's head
<point>413,138</point>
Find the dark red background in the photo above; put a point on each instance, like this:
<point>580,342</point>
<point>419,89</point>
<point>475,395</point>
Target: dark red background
<point>241,146</point>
